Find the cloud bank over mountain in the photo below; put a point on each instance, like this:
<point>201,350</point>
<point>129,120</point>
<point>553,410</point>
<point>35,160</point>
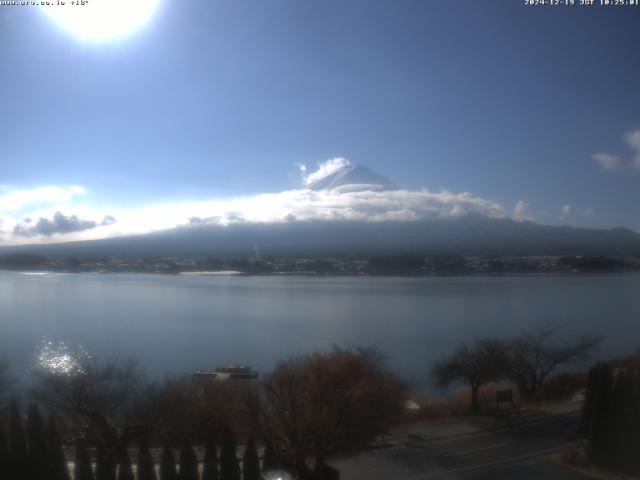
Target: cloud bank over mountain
<point>59,224</point>
<point>337,190</point>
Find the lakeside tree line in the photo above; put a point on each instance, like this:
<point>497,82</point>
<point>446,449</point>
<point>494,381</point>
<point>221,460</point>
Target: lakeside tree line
<point>116,425</point>
<point>526,360</point>
<point>115,422</point>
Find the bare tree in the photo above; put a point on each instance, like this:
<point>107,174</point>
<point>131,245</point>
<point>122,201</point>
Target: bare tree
<point>534,355</point>
<point>197,407</point>
<point>477,364</point>
<point>324,403</point>
<point>109,398</point>
<point>5,378</point>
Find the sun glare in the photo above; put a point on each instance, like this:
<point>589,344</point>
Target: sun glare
<point>101,20</point>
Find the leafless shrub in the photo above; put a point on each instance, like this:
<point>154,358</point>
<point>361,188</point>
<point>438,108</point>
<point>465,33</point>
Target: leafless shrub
<point>536,354</point>
<point>476,365</point>
<point>110,401</point>
<point>324,403</point>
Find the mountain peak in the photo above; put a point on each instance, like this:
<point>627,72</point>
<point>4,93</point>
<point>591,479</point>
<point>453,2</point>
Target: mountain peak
<point>350,177</point>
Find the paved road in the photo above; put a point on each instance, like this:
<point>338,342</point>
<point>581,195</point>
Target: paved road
<point>519,453</point>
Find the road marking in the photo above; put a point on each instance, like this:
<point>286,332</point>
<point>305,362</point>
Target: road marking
<point>356,469</point>
<point>506,429</point>
<point>484,465</point>
<point>402,445</point>
<point>464,452</point>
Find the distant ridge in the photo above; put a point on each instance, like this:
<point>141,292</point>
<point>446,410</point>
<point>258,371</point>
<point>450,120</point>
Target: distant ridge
<point>471,235</point>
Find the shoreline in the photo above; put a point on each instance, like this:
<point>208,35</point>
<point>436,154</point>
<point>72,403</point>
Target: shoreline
<point>238,273</point>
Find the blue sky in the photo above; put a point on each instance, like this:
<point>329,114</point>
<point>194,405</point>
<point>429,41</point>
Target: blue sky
<point>214,100</point>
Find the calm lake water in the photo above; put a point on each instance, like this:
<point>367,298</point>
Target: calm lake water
<point>181,323</point>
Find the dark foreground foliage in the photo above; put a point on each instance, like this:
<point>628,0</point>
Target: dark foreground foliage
<point>112,415</point>
<point>610,420</point>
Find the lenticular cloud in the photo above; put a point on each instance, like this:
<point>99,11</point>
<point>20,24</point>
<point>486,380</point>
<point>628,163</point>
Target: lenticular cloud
<point>325,169</point>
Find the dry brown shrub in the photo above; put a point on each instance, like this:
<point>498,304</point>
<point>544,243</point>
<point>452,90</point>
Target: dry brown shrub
<point>562,386</point>
<point>574,455</point>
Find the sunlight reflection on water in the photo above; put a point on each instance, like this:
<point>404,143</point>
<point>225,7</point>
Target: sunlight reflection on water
<point>60,358</point>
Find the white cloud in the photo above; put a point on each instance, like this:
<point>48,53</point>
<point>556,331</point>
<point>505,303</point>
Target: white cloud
<point>607,161</point>
<point>521,212</point>
<point>14,200</point>
<point>614,162</point>
<point>633,140</point>
<point>324,169</point>
<point>52,214</point>
<point>307,205</point>
<point>287,206</point>
<point>566,211</point>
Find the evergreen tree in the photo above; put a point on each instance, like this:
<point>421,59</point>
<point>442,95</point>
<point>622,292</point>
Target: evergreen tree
<point>55,454</point>
<point>188,463</point>
<point>610,418</point>
<point>634,425</point>
<point>210,467</point>
<point>83,469</point>
<point>4,455</point>
<point>250,463</point>
<point>586,419</point>
<point>269,460</point>
<point>37,444</point>
<point>168,465</point>
<point>624,436</point>
<point>105,466</point>
<point>125,471</point>
<point>229,468</point>
<point>146,470</point>
<point>18,453</point>
<point>599,426</point>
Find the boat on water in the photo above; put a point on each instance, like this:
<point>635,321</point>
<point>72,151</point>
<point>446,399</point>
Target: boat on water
<point>229,372</point>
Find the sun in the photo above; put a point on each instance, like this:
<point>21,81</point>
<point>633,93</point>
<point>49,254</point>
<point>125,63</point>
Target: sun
<point>100,20</point>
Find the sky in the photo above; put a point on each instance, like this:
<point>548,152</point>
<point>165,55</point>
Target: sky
<point>222,109</point>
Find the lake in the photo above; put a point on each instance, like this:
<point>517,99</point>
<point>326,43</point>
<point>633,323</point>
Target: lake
<point>175,324</point>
